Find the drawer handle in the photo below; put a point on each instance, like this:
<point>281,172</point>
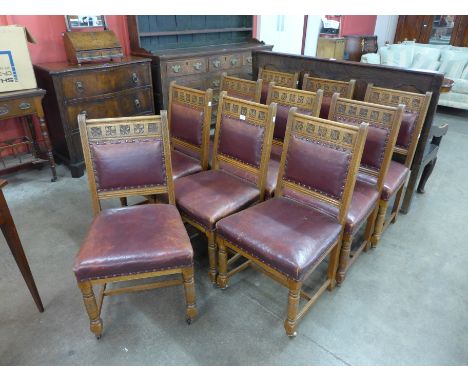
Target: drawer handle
<point>216,63</point>
<point>137,103</point>
<point>234,61</point>
<point>135,78</point>
<point>215,83</point>
<point>197,65</point>
<point>249,59</point>
<point>216,98</point>
<point>176,68</point>
<point>4,110</point>
<point>79,86</point>
<point>24,106</point>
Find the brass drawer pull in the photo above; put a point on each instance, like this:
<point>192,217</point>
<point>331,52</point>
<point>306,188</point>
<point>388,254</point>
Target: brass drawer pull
<point>216,63</point>
<point>176,68</point>
<point>135,78</point>
<point>234,61</point>
<point>137,103</point>
<point>197,65</point>
<point>216,98</point>
<point>249,59</point>
<point>24,106</point>
<point>4,110</point>
<point>215,83</point>
<point>79,86</point>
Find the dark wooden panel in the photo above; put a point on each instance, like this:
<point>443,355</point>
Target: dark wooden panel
<point>414,28</point>
<point>460,32</point>
<point>380,75</point>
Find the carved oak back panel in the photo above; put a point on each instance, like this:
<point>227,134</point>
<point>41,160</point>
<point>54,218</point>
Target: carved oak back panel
<point>127,156</point>
<point>307,103</point>
<point>241,88</point>
<point>320,161</point>
<point>189,121</point>
<point>416,107</point>
<point>243,136</point>
<point>284,79</point>
<point>384,124</point>
<point>329,87</point>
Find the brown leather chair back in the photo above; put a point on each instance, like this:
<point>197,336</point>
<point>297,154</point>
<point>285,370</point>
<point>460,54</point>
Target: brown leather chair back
<point>286,80</point>
<point>127,156</point>
<point>416,106</point>
<point>329,87</point>
<point>241,88</point>
<point>320,162</point>
<point>384,124</point>
<point>244,131</point>
<point>307,103</point>
<point>190,120</point>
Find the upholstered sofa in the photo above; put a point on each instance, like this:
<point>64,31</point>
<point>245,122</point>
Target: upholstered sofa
<point>452,61</point>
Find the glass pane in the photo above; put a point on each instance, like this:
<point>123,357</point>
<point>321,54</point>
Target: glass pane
<point>442,28</point>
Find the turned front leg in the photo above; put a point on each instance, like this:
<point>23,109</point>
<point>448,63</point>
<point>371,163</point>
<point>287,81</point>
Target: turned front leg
<point>91,307</point>
<point>189,287</point>
<point>222,258</point>
<point>212,256</point>
<point>344,258</point>
<point>293,307</point>
<point>379,223</point>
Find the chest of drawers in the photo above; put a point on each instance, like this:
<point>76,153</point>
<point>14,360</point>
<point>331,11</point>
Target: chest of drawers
<point>116,89</point>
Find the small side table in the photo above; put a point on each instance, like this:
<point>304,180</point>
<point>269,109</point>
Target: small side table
<point>11,236</point>
<point>24,104</point>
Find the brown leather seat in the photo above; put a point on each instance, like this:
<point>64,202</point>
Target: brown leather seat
<point>264,96</point>
<point>408,124</point>
<point>396,176</point>
<point>211,195</point>
<point>132,240</point>
<point>364,198</point>
<point>183,164</point>
<point>286,235</point>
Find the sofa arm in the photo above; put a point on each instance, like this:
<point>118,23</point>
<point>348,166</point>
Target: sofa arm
<point>371,58</point>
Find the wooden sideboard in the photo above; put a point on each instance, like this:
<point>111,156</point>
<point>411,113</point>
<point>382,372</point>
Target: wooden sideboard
<point>113,89</point>
<point>196,66</point>
<point>380,75</point>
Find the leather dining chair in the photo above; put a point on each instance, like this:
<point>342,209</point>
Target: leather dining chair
<point>283,79</point>
<point>241,88</point>
<point>189,126</point>
<point>131,157</point>
<point>416,106</point>
<point>384,124</point>
<point>307,103</point>
<point>237,179</point>
<point>289,236</point>
<point>329,87</point>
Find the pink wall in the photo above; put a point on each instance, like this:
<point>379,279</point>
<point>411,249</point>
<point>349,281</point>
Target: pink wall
<point>47,31</point>
<point>357,25</point>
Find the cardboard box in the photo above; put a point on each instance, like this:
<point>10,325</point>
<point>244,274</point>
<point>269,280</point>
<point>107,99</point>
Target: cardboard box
<point>16,70</point>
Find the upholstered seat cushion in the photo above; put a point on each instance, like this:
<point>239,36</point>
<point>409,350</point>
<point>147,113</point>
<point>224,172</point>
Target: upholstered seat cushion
<point>363,201</point>
<point>408,124</point>
<point>284,234</point>
<point>396,176</point>
<point>183,164</point>
<point>130,240</point>
<point>272,176</point>
<point>209,196</point>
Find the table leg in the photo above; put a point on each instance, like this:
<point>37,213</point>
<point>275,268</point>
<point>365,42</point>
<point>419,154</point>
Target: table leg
<point>425,175</point>
<point>13,241</point>
<point>32,133</point>
<point>45,135</point>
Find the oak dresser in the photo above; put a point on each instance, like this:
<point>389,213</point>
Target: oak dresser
<point>114,89</point>
<point>194,50</point>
